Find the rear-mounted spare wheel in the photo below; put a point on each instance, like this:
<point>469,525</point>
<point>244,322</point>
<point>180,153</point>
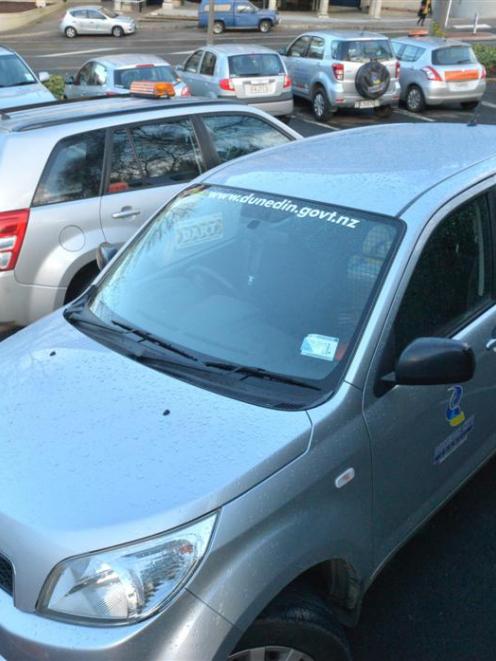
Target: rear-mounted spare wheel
<point>372,80</point>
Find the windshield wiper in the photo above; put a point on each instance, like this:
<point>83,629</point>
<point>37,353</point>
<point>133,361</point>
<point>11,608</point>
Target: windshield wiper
<point>21,82</point>
<point>153,339</point>
<point>261,373</point>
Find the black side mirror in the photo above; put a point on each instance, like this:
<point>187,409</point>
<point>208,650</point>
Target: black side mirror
<point>430,361</point>
<point>105,253</point>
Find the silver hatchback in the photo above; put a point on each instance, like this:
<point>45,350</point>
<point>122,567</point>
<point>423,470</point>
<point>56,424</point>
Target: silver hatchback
<point>96,20</point>
<point>348,69</point>
<point>252,74</point>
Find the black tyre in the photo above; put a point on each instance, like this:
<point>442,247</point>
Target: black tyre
<point>298,621</point>
<point>284,118</point>
<point>218,27</point>
<point>117,31</point>
<point>80,282</point>
<point>414,100</point>
<point>70,32</point>
<point>383,112</point>
<point>322,110</point>
<point>372,80</point>
<point>469,105</point>
<point>265,26</point>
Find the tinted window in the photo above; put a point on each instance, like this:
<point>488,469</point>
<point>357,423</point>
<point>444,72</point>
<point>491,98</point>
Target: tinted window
<point>124,77</point>
<point>364,50</point>
<point>299,48</point>
<point>78,13</point>
<point>95,15</point>
<point>245,9</point>
<point>256,64</point>
<point>452,279</point>
<point>14,72</point>
<point>454,55</point>
<point>193,62</point>
<point>99,76</point>
<point>407,52</point>
<point>208,64</point>
<point>237,135</point>
<point>74,170</point>
<point>125,171</point>
<point>316,48</point>
<point>85,74</point>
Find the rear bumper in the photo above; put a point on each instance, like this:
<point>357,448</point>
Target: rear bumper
<point>274,105</point>
<point>341,99</point>
<point>436,92</point>
<point>22,304</point>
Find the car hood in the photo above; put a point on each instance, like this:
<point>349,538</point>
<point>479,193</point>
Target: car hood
<point>86,446</point>
<point>23,95</point>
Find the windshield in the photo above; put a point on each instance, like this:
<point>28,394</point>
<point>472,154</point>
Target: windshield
<point>124,77</point>
<point>14,72</point>
<point>109,12</point>
<point>256,64</point>
<point>243,279</point>
<point>364,50</point>
<point>454,55</point>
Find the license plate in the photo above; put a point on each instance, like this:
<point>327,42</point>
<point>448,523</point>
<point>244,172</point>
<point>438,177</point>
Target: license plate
<point>460,86</point>
<point>258,89</point>
<point>366,104</point>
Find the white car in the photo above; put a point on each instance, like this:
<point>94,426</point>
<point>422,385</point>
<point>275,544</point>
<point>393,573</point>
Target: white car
<point>19,85</point>
<point>96,20</point>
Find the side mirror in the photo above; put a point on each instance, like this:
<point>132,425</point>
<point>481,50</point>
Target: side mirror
<point>282,51</point>
<point>69,80</point>
<point>430,361</point>
<point>43,76</point>
<point>105,253</point>
<point>179,67</point>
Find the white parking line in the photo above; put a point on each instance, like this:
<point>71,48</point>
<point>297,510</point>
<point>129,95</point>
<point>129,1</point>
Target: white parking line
<point>302,118</point>
<point>407,113</point>
<point>76,52</point>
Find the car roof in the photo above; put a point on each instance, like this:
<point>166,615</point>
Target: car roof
<point>54,114</point>
<point>380,169</point>
<point>345,35</point>
<point>429,42</point>
<point>129,59</point>
<point>79,7</point>
<point>5,50</point>
<point>239,49</point>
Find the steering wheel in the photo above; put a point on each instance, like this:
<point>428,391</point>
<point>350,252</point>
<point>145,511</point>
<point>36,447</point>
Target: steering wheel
<point>213,275</point>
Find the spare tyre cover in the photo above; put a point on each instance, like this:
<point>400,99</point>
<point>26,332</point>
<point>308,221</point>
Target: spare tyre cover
<point>372,80</point>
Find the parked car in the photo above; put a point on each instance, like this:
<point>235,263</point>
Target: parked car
<point>436,71</point>
<point>238,15</point>
<point>276,382</point>
<point>19,85</point>
<point>344,69</point>
<point>76,173</point>
<point>96,20</point>
<point>114,74</point>
<point>253,74</point>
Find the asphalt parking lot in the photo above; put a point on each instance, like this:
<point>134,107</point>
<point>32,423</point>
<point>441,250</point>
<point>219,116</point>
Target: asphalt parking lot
<point>435,600</point>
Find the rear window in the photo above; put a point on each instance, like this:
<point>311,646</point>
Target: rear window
<point>256,64</point>
<point>454,55</point>
<point>124,77</point>
<point>364,50</point>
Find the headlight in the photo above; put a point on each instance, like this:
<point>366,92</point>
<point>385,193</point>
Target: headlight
<point>128,583</point>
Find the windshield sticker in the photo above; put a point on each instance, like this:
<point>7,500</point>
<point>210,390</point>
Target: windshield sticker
<point>319,346</point>
<point>454,440</point>
<point>454,414</point>
<point>191,232</point>
<point>286,206</point>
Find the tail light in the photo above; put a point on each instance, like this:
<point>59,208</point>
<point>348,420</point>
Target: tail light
<point>338,71</point>
<point>287,81</point>
<point>432,74</point>
<point>398,69</point>
<point>13,226</point>
<point>483,73</point>
<point>226,84</point>
<point>185,91</point>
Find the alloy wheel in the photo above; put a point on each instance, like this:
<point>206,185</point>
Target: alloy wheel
<point>270,653</point>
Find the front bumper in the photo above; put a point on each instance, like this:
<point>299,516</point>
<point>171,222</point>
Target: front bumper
<point>438,92</point>
<point>21,304</point>
<point>187,630</point>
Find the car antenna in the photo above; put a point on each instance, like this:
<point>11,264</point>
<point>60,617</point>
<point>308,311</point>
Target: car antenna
<point>474,121</point>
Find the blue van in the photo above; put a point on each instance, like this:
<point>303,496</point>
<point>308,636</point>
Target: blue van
<point>238,15</point>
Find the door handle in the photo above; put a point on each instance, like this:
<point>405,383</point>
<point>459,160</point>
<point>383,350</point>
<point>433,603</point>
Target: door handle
<point>126,212</point>
<point>491,344</point>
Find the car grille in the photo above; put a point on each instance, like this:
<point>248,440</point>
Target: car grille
<point>6,575</point>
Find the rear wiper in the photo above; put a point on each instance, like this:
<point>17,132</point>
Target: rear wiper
<point>261,373</point>
<point>153,339</point>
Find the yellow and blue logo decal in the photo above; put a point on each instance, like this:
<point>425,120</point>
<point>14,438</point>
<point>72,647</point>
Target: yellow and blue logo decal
<point>454,414</point>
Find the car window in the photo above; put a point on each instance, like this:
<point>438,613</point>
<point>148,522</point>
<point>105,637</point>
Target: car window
<point>154,155</point>
<point>398,48</point>
<point>162,73</point>
<point>14,72</point>
<point>73,171</point>
<point>236,135</point>
<point>453,278</point>
<point>363,50</point>
<point>410,53</point>
<point>316,48</point>
<point>85,74</point>
<point>78,13</point>
<point>454,55</point>
<point>299,47</point>
<point>95,15</point>
<point>255,64</point>
<point>192,62</point>
<point>208,64</point>
<point>99,74</point>
<point>245,9</point>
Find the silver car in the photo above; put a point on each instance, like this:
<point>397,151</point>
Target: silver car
<point>113,74</point>
<point>19,85</point>
<point>96,20</point>
<point>344,69</point>
<point>76,173</point>
<point>436,71</point>
<point>213,452</point>
<point>252,74</point>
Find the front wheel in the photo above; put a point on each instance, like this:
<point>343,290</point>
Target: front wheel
<point>117,31</point>
<point>296,625</point>
<point>265,26</point>
<point>470,105</point>
<point>414,100</point>
<point>70,32</point>
<point>218,27</point>
<point>322,110</point>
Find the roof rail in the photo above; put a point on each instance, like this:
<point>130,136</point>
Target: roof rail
<point>58,102</point>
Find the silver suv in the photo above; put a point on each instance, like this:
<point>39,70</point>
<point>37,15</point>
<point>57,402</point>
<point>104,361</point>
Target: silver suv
<point>76,173</point>
<point>348,69</point>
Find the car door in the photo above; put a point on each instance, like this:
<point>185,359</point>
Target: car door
<point>425,440</point>
<point>244,15</point>
<point>148,164</point>
<point>294,56</point>
<point>190,73</point>
<point>81,84</point>
<point>97,22</point>
<point>408,55</point>
<point>79,20</point>
<point>310,63</point>
<point>209,85</point>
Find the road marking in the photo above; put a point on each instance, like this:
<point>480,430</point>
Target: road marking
<point>488,104</point>
<point>407,113</point>
<point>76,52</point>
<point>302,118</point>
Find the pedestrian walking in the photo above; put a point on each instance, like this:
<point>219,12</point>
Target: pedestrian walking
<point>424,11</point>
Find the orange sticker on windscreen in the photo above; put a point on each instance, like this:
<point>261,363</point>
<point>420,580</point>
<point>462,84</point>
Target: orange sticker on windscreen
<point>468,74</point>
